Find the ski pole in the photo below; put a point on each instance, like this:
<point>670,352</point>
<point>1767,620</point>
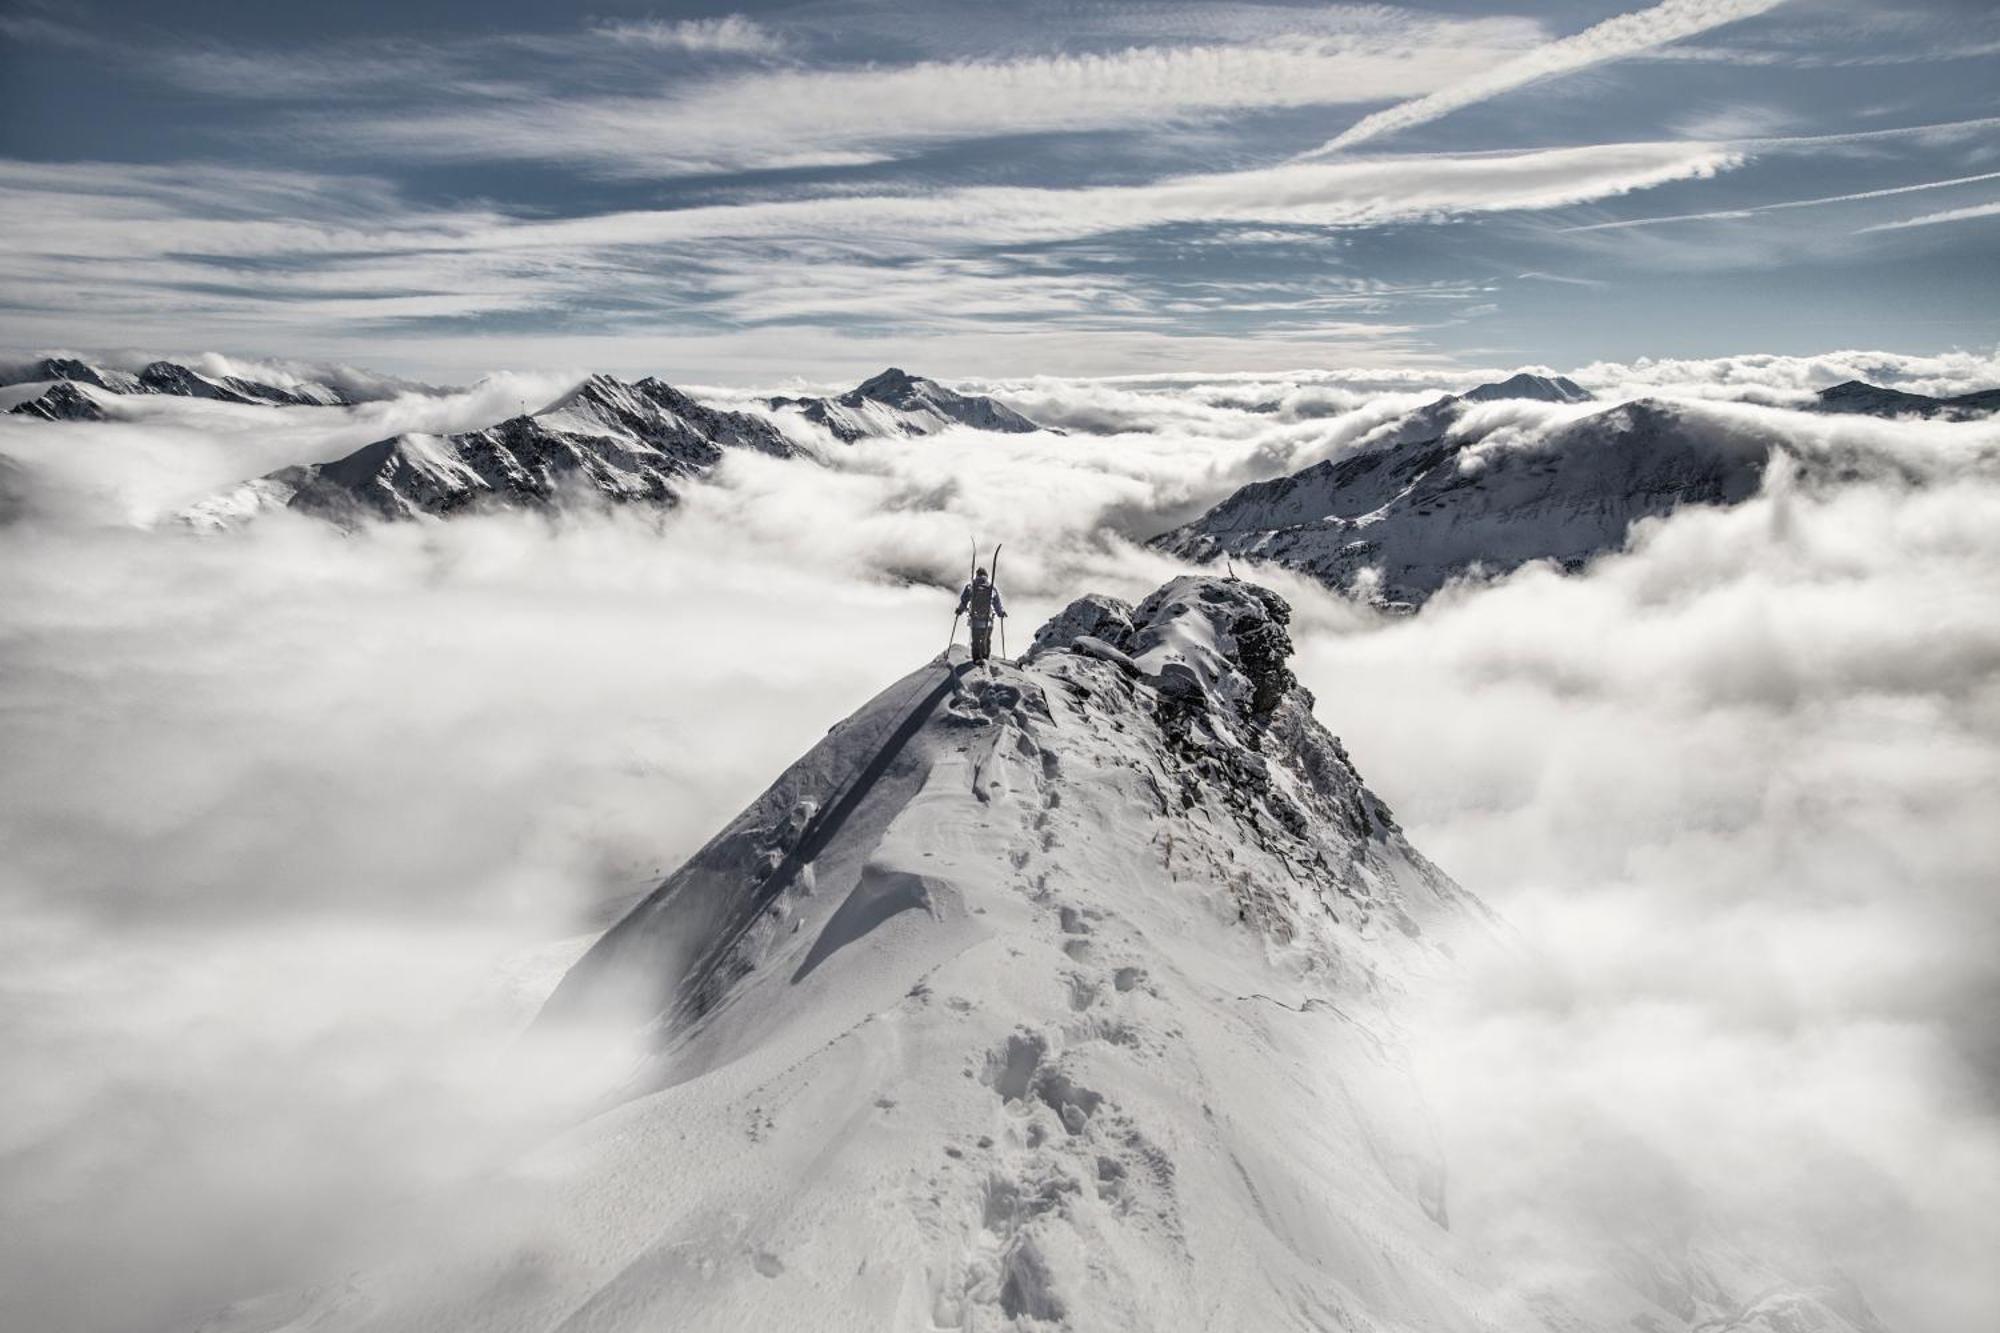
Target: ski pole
<point>954,635</point>
<point>994,575</point>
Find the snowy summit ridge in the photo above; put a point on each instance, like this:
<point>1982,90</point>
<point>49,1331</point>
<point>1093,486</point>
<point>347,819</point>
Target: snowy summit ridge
<point>896,402</point>
<point>1019,980</point>
<point>606,439</point>
<point>174,380</point>
<point>1059,995</point>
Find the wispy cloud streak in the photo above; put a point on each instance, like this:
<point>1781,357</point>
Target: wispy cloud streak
<point>805,116</point>
<point>732,34</point>
<point>1613,39</point>
<point>1967,214</point>
<point>1752,210</point>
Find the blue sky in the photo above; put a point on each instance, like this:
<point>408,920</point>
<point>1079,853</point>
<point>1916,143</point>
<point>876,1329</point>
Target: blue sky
<point>753,191</point>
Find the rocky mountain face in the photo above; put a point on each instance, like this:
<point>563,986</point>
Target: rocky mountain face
<point>606,441</point>
<point>1858,396</point>
<point>1066,994</point>
<point>898,403</point>
<point>172,378</point>
<point>69,370</point>
<point>1428,500</point>
<point>62,401</point>
<point>1439,495</point>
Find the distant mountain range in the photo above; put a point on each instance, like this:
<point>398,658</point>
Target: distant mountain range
<point>1440,493</point>
<point>896,402</point>
<point>1428,500</point>
<point>71,380</point>
<point>606,440</point>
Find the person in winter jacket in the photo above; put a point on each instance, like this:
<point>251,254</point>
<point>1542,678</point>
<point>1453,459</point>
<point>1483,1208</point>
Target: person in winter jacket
<point>982,599</point>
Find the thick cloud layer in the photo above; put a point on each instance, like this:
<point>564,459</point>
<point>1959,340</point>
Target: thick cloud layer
<point>298,827</point>
<point>1735,791</point>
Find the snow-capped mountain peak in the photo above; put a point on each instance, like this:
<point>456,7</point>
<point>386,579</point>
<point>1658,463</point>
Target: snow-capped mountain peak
<point>897,403</point>
<point>605,440</point>
<point>1061,994</point>
<point>64,400</point>
<point>173,379</point>
<point>894,385</point>
<point>1433,501</point>
<point>1541,388</point>
<point>1056,993</point>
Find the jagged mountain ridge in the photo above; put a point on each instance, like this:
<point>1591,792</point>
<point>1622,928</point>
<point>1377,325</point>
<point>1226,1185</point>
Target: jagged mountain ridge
<point>176,380</point>
<point>896,402</point>
<point>62,401</point>
<point>605,440</point>
<point>1427,500</point>
<point>1058,995</point>
<point>1210,654</point>
<point>963,1022</point>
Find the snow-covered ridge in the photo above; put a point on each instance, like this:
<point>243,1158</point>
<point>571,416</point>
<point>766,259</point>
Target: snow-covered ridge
<point>1057,993</point>
<point>1063,994</point>
<point>180,381</point>
<point>606,441</point>
<point>62,401</point>
<point>1446,493</point>
<point>896,402</point>
<point>1203,660</point>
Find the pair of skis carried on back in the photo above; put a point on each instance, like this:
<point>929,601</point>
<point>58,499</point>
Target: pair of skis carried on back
<point>993,579</point>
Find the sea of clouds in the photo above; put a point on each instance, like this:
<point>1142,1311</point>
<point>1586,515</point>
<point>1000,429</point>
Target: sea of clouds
<point>298,826</point>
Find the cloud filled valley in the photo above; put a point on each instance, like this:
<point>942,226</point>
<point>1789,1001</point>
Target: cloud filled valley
<point>303,821</point>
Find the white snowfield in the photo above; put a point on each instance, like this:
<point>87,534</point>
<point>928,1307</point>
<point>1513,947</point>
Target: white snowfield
<point>1060,995</point>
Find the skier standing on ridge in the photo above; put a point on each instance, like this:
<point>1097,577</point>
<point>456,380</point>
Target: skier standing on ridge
<point>983,600</point>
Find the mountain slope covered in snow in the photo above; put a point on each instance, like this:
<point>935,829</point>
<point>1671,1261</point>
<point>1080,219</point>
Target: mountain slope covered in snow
<point>180,381</point>
<point>1399,519</point>
<point>1466,488</point>
<point>896,402</point>
<point>1060,995</point>
<point>606,441</point>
